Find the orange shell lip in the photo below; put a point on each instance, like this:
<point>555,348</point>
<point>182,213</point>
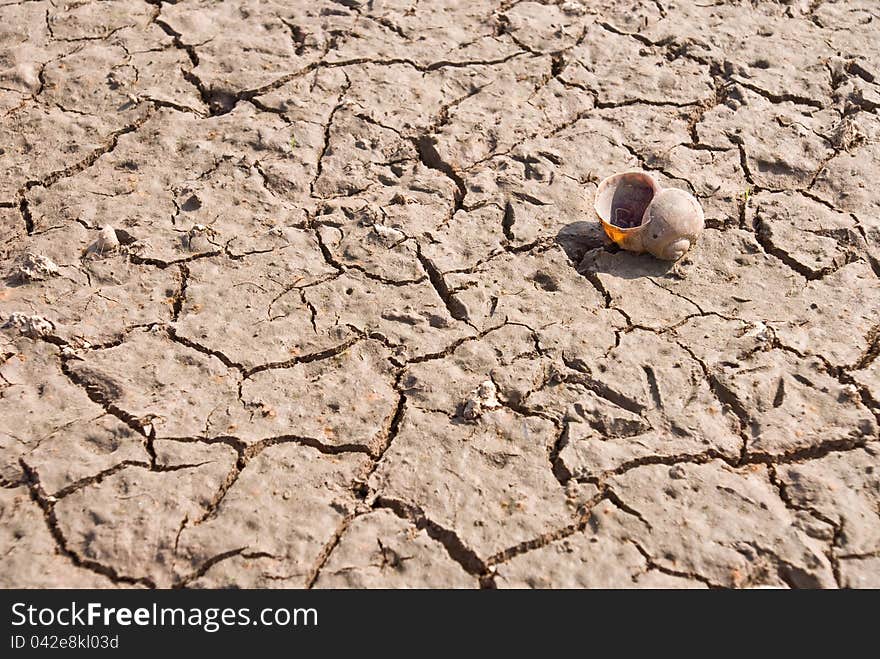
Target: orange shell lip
<point>636,180</point>
<point>618,234</point>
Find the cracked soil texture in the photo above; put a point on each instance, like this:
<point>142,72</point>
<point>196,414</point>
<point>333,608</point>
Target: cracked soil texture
<point>355,324</point>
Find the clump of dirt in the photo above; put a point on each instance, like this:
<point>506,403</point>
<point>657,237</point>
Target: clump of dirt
<point>481,399</point>
<point>35,267</point>
<point>34,327</point>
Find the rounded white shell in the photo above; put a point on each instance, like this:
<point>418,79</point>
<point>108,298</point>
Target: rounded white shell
<point>673,222</point>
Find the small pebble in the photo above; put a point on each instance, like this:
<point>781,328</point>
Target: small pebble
<point>34,267</point>
<point>106,241</point>
<point>677,472</point>
<point>484,397</point>
<point>31,326</point>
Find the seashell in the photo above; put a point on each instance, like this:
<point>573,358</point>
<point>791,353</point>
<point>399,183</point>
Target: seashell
<point>641,216</point>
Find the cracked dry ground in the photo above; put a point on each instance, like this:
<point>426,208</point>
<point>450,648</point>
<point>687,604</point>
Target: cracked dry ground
<point>339,219</point>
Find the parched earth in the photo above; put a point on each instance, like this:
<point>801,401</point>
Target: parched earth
<point>354,324</point>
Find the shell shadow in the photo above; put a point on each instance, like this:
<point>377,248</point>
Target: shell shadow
<point>578,238</point>
<point>590,251</point>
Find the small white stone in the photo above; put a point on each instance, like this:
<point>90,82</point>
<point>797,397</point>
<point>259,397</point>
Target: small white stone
<point>761,332</point>
<point>198,238</point>
<point>106,241</point>
<point>388,235</point>
<point>31,326</point>
<point>34,267</point>
<point>573,9</point>
<point>851,393</point>
<point>484,397</point>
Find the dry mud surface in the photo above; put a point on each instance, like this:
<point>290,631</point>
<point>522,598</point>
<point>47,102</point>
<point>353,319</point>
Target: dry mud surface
<point>362,329</point>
